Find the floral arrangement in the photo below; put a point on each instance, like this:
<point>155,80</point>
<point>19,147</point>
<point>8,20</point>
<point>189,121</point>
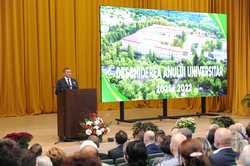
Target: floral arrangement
<point>140,126</point>
<point>94,125</point>
<point>186,123</point>
<point>22,138</point>
<point>223,121</point>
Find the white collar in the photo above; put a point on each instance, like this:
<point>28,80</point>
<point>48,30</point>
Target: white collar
<point>66,78</point>
<point>218,150</point>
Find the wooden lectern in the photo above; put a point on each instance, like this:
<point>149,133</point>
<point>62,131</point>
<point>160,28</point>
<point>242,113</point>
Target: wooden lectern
<point>74,106</point>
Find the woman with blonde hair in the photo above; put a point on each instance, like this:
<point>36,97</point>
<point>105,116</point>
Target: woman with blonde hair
<point>56,155</point>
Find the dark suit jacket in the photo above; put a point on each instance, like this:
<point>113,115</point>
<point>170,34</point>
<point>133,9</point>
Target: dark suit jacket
<point>103,156</point>
<point>62,85</point>
<point>153,148</point>
<point>225,157</point>
<point>116,152</point>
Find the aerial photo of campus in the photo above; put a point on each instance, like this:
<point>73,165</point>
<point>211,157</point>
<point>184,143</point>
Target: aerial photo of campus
<point>157,54</point>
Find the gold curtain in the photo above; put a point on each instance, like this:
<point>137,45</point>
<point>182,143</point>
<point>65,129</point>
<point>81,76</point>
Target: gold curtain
<point>38,38</point>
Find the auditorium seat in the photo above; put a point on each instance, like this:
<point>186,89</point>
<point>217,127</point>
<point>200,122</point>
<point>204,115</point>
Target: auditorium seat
<point>119,161</point>
<point>123,164</point>
<point>108,161</point>
<point>154,155</point>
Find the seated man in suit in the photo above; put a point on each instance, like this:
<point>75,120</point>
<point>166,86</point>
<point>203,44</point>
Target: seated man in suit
<point>66,82</point>
<point>224,155</point>
<point>120,137</point>
<point>149,141</point>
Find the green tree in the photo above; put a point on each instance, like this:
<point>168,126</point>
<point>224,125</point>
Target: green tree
<point>218,45</point>
<point>195,60</point>
<point>131,52</point>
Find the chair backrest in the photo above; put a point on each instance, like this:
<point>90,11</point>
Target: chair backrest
<point>123,164</point>
<point>108,161</point>
<point>154,155</point>
<point>119,160</point>
<point>154,161</point>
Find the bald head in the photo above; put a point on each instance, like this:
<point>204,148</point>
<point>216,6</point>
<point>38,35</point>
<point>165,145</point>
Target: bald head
<point>89,151</point>
<point>149,137</point>
<point>176,141</point>
<point>95,139</point>
<point>222,137</point>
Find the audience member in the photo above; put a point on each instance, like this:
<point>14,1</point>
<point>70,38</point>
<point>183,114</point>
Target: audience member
<point>210,137</point>
<point>179,149</point>
<point>139,136</point>
<point>36,149</point>
<point>192,154</point>
<point>120,137</point>
<point>78,159</point>
<point>96,140</point>
<point>149,141</point>
<point>224,155</point>
<point>206,147</point>
<point>213,126</point>
<point>248,132</point>
<point>186,132</point>
<point>165,148</point>
<point>29,158</point>
<point>244,159</point>
<point>89,149</point>
<point>56,155</point>
<point>174,130</point>
<point>165,145</point>
<point>159,136</point>
<point>10,153</point>
<point>238,127</point>
<point>90,143</point>
<point>239,139</point>
<point>43,161</point>
<point>176,140</point>
<point>238,143</point>
<point>136,153</point>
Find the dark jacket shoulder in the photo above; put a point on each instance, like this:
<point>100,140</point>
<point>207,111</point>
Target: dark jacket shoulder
<point>153,148</point>
<point>224,157</point>
<point>116,152</point>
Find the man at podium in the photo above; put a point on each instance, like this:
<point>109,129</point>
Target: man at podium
<point>66,83</point>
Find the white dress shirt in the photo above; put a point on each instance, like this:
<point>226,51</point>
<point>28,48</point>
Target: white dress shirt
<point>68,81</point>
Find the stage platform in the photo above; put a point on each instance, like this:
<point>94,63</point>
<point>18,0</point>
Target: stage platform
<point>44,127</point>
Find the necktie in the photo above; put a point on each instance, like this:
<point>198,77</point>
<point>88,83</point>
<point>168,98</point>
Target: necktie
<point>69,84</point>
